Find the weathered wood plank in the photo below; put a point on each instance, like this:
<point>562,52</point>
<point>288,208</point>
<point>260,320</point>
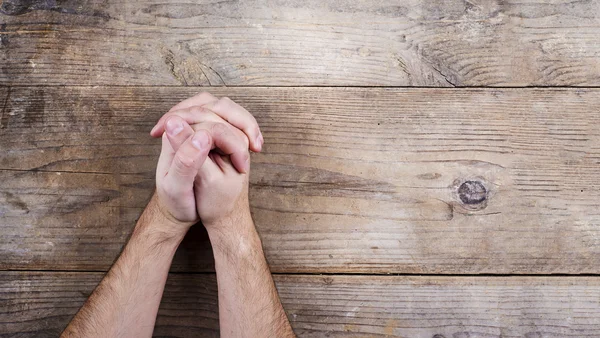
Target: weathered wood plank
<point>351,180</point>
<point>79,221</point>
<point>299,42</point>
<point>41,304</point>
<point>3,102</point>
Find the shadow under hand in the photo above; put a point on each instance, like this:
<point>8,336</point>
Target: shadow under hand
<point>195,252</point>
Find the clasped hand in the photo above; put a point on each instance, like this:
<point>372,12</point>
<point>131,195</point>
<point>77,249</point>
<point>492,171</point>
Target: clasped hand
<point>202,171</point>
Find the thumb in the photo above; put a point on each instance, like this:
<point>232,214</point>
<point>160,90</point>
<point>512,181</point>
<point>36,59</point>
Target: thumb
<point>187,161</point>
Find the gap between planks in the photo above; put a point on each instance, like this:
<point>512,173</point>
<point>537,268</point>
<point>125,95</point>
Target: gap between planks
<point>348,274</point>
<point>291,86</point>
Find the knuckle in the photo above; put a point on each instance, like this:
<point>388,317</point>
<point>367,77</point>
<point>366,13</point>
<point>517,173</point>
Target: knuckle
<point>223,104</point>
<point>245,155</point>
<point>219,128</point>
<point>184,162</point>
<point>241,135</point>
<point>206,95</point>
<point>198,110</point>
<point>207,115</point>
<point>201,132</point>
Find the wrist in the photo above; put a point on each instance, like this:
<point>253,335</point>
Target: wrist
<point>237,246</point>
<point>232,233</point>
<point>157,226</point>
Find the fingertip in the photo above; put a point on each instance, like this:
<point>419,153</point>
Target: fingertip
<point>247,164</point>
<point>155,131</point>
<point>159,128</point>
<point>241,162</point>
<point>201,140</point>
<point>174,125</point>
<point>259,142</point>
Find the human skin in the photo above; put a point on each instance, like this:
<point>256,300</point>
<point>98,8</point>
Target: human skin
<point>202,175</point>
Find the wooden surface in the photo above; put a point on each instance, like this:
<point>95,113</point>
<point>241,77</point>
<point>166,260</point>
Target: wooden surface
<point>485,191</point>
<point>351,180</point>
<point>299,42</point>
<point>337,306</point>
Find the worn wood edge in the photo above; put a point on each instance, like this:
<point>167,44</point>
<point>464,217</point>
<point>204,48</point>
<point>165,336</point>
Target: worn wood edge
<point>242,86</point>
<point>41,303</point>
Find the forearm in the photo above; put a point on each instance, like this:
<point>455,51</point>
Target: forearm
<point>126,301</point>
<point>249,305</point>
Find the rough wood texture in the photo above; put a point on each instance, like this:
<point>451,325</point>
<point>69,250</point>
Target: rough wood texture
<point>54,220</point>
<point>41,304</point>
<point>3,102</point>
<point>299,42</point>
<point>351,180</point>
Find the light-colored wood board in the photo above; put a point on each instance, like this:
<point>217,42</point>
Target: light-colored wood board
<point>41,304</point>
<point>350,180</point>
<point>299,42</point>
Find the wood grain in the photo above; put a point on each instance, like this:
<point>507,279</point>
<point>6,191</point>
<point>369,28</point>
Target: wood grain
<point>299,42</point>
<point>79,221</point>
<point>41,304</point>
<point>351,180</point>
<point>3,103</point>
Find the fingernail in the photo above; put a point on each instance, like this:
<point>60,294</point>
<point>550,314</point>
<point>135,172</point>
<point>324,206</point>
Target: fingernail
<point>257,143</point>
<point>247,164</point>
<point>174,127</point>
<point>200,141</point>
<point>154,129</point>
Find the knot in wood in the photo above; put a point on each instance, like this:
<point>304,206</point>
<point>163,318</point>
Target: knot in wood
<point>15,7</point>
<point>472,192</point>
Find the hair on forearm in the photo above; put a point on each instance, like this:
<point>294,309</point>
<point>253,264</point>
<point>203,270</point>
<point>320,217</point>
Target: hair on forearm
<point>87,322</point>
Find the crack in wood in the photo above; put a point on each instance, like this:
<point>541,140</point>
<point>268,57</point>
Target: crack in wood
<point>169,59</point>
<point>212,70</point>
<point>443,75</point>
<point>219,75</point>
<point>206,76</point>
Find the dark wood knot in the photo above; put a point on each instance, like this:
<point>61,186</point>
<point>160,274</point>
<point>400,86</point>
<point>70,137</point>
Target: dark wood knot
<point>472,192</point>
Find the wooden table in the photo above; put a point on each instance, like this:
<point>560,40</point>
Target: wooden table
<point>429,170</point>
